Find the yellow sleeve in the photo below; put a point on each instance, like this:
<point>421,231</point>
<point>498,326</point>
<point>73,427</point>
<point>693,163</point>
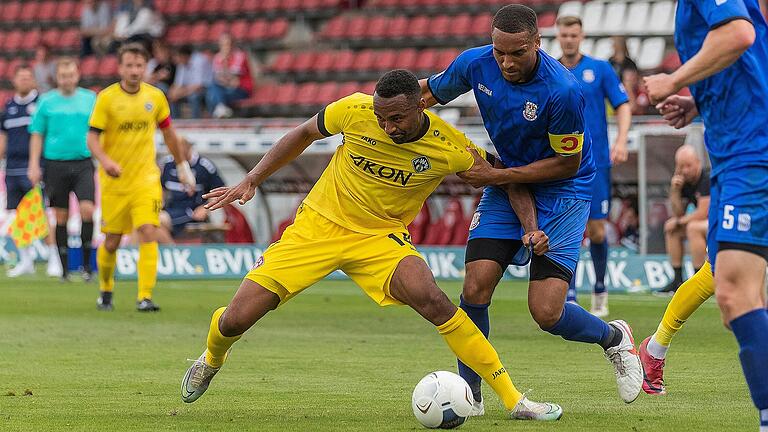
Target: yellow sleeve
<point>99,115</point>
<point>464,160</point>
<point>163,110</point>
<point>567,144</point>
<point>335,117</point>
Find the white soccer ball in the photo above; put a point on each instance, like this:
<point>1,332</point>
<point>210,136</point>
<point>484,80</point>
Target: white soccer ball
<point>442,400</point>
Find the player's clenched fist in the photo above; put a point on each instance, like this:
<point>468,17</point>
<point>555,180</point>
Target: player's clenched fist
<point>111,167</point>
<point>219,197</point>
<point>537,240</point>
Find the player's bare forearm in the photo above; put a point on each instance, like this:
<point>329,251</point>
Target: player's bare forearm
<point>722,47</point>
<point>544,170</point>
<point>521,199</point>
<point>426,93</point>
<point>3,144</point>
<point>172,141</point>
<point>287,148</point>
<point>701,212</point>
<point>623,121</point>
<point>35,149</point>
<point>94,145</point>
<point>676,203</point>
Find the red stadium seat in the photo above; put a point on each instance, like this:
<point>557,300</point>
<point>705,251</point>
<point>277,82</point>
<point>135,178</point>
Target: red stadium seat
<point>3,70</point>
<point>407,58</point>
<point>250,6</point>
<point>11,11</point>
<point>193,7</point>
<point>172,7</point>
<point>286,94</point>
<point>306,93</point>
<point>368,87</point>
<point>445,58</point>
<point>264,95</point>
<point>107,68</point>
<point>357,28</point>
<point>481,25</point>
<point>418,27</point>
<point>444,230</point>
<point>198,33</point>
<point>283,62</point>
<point>31,40</point>
<point>377,27</point>
<point>13,40</point>
<point>346,89</point>
<point>385,60</point>
<point>335,28</point>
<point>327,93</point>
<point>364,60</point>
<point>547,19</point>
<point>324,61</point>
<point>270,5</point>
<point>278,28</point>
<point>240,230</point>
<point>216,30</point>
<point>426,61</point>
<point>420,225</point>
<point>239,29</point>
<point>397,27</point>
<point>439,26</point>
<point>232,7</point>
<point>258,30</point>
<point>68,10</point>
<point>51,37</point>
<point>303,61</point>
<point>2,41</point>
<point>70,39</point>
<point>47,11</point>
<point>344,61</point>
<point>212,7</point>
<point>89,66</point>
<point>28,11</point>
<point>460,25</point>
<point>11,68</point>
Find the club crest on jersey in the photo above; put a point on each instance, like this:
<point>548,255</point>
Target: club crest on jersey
<point>475,221</point>
<point>421,164</point>
<point>259,262</point>
<point>588,76</point>
<point>530,111</point>
<point>148,106</point>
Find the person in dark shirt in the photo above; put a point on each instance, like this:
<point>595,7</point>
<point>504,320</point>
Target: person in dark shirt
<point>181,207</point>
<point>689,185</point>
<point>626,69</point>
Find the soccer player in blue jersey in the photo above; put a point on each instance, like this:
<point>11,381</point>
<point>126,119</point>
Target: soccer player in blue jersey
<point>723,45</point>
<point>598,83</point>
<point>533,110</point>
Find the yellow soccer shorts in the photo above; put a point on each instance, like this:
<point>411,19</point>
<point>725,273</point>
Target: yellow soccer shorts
<point>313,247</point>
<point>121,213</point>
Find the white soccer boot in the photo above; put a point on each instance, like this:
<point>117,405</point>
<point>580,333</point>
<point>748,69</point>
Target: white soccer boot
<point>626,363</point>
<point>478,409</point>
<point>54,268</point>
<point>527,409</point>
<point>600,305</point>
<point>197,379</point>
<point>25,266</point>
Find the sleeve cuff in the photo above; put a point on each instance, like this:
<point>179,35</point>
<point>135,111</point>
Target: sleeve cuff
<point>95,129</point>
<point>321,123</point>
<point>620,104</point>
<point>729,19</point>
<point>434,95</point>
<point>165,123</point>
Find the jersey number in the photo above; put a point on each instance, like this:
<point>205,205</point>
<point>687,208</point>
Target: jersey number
<point>570,143</point>
<point>728,219</point>
<point>406,239</point>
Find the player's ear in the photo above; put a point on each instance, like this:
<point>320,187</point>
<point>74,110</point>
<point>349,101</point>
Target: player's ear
<point>538,41</point>
<point>422,104</point>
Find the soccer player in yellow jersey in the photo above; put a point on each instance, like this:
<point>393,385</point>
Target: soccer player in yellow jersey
<point>394,154</point>
<point>121,137</point>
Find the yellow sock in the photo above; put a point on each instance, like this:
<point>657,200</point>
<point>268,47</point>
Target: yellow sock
<point>106,261</point>
<point>147,269</point>
<point>691,294</point>
<point>474,350</point>
<point>218,344</point>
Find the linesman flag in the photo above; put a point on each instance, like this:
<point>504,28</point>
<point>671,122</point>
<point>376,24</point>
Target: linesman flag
<point>30,223</point>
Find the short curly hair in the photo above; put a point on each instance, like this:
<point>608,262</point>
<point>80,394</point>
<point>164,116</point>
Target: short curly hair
<point>398,82</point>
<point>516,18</point>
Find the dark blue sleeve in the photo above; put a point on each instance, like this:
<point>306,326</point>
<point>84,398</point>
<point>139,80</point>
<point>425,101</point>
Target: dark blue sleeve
<point>719,12</point>
<point>612,87</point>
<point>454,81</point>
<point>566,111</point>
<point>165,175</point>
<point>2,119</point>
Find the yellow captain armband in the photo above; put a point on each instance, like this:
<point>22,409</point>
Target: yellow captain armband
<point>567,144</point>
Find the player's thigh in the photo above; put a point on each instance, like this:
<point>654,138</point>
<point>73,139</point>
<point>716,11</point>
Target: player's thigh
<point>696,228</point>
<point>16,187</point>
<point>83,184</point>
<point>739,282</point>
<point>601,194</point>
<point>564,221</point>
<point>413,284</point>
<point>485,261</point>
<point>308,250</point>
<point>145,205</point>
<point>738,212</point>
<point>115,214</point>
<point>371,260</point>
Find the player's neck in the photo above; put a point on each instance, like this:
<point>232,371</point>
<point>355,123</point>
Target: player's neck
<point>422,129</point>
<point>572,60</point>
<point>130,89</point>
<point>67,92</point>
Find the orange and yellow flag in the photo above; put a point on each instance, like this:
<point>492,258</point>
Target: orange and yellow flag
<point>30,223</point>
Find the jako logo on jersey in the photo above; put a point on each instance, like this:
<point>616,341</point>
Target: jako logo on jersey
<point>421,163</point>
<point>131,126</point>
<point>381,171</point>
<point>370,141</point>
<point>588,76</point>
<point>530,111</point>
<point>148,106</point>
<point>484,89</point>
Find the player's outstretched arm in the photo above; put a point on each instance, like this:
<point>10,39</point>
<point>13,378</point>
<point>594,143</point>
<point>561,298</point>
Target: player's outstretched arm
<point>288,148</point>
<point>553,168</point>
<point>722,47</point>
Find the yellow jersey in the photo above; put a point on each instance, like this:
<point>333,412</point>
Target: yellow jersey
<point>373,185</point>
<point>128,122</point>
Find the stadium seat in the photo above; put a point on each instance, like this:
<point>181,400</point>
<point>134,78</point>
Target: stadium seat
<point>344,61</point>
<point>481,26</point>
<point>356,28</point>
<point>326,93</point>
<point>11,12</point>
<point>68,10</point>
<point>47,11</point>
<point>286,94</point>
<point>426,61</point>
<point>613,19</point>
<point>283,62</point>
<point>240,230</point>
<point>547,19</point>
<point>661,19</point>
<point>193,7</point>
<point>70,39</point>
<point>443,231</point>
<point>107,68</point>
<point>13,40</point>
<point>651,53</point>
<point>89,66</point>
<point>347,89</point>
<point>31,40</point>
<point>3,69</point>
<point>446,57</point>
<point>177,35</point>
<point>420,225</point>
<point>303,61</point>
<point>28,11</point>
<point>592,17</point>
<point>250,6</point>
<point>278,28</point>
<point>570,8</point>
<point>407,58</point>
<point>239,29</point>
<point>385,60</point>
<point>232,8</point>
<point>198,33</point>
<point>11,68</point>
<point>603,49</point>
<point>334,28</point>
<point>671,62</point>
<point>439,26</point>
<point>397,27</point>
<point>377,27</point>
<point>306,93</point>
<point>587,45</point>
<point>637,17</point>
<point>216,30</point>
<point>213,7</point>
<point>257,31</point>
<point>418,27</point>
<point>51,37</point>
<point>460,25</point>
<point>364,61</point>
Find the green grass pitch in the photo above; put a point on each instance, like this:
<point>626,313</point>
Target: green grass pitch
<point>328,360</point>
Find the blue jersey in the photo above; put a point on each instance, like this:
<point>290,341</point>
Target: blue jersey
<point>733,103</point>
<point>526,122</point>
<point>14,121</point>
<point>178,202</point>
<point>598,83</point>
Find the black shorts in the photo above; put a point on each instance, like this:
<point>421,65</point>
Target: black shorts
<point>502,252</point>
<point>15,188</point>
<point>63,177</point>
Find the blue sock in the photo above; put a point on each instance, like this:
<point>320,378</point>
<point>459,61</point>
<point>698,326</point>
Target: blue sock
<point>479,315</point>
<point>572,289</point>
<point>578,325</point>
<point>599,252</point>
<point>751,331</point>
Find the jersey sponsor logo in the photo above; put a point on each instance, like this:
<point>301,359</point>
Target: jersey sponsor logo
<point>720,2</point>
<point>484,89</point>
<point>31,108</point>
<point>588,76</point>
<point>133,126</point>
<point>148,106</point>
<point>381,171</point>
<point>529,112</point>
<point>475,221</point>
<point>745,222</point>
<point>369,140</point>
<point>12,110</point>
<point>498,373</point>
<point>421,163</point>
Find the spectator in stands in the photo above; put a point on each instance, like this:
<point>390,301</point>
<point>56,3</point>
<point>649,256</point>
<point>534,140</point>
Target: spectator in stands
<point>44,67</point>
<point>160,69</point>
<point>95,27</point>
<point>232,80</point>
<point>627,70</point>
<point>137,22</point>
<point>193,75</point>
<point>689,186</point>
<point>181,208</point>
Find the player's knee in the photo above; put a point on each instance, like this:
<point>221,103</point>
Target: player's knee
<point>111,243</point>
<point>670,226</point>
<point>476,292</point>
<point>546,315</point>
<point>435,306</point>
<point>86,210</point>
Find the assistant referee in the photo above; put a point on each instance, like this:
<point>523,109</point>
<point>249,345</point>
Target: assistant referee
<point>59,128</point>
